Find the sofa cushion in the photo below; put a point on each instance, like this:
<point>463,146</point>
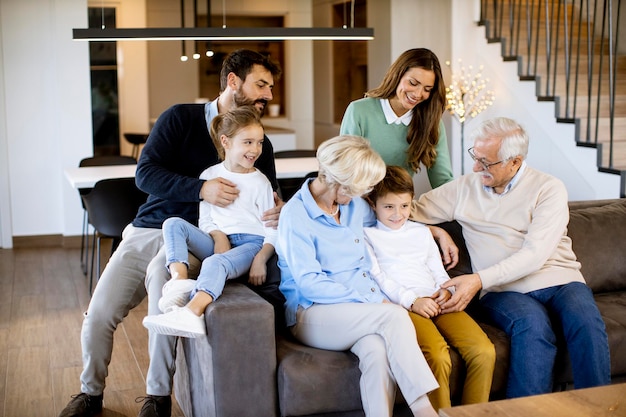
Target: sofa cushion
<point>315,380</point>
<point>612,307</point>
<point>597,233</point>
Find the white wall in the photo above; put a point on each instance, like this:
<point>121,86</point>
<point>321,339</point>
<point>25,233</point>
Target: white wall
<point>6,229</point>
<point>47,112</point>
<point>132,64</point>
<point>172,81</point>
<point>46,103</point>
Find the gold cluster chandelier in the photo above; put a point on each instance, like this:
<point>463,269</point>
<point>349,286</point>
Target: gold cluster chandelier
<point>467,96</point>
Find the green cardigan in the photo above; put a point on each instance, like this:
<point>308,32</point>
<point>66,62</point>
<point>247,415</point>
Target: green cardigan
<point>365,118</point>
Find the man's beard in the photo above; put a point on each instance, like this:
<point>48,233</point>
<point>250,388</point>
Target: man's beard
<point>241,100</point>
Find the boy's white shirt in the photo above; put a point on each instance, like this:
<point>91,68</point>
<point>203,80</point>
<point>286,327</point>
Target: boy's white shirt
<point>406,262</point>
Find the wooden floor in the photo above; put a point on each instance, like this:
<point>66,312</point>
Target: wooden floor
<point>43,294</point>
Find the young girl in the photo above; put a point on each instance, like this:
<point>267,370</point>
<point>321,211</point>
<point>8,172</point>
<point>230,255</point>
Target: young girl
<point>407,265</point>
<point>230,240</point>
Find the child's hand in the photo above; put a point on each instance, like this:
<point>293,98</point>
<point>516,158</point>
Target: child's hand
<point>441,296</point>
<point>258,271</point>
<point>426,307</point>
<point>223,246</point>
<point>221,243</point>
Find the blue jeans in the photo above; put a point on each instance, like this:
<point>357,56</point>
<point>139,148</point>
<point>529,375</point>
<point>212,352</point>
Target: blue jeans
<point>533,320</point>
<point>181,237</point>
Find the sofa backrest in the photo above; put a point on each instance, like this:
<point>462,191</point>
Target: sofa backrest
<point>464,266</point>
<point>598,233</point>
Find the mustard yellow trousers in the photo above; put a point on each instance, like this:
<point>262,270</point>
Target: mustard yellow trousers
<point>436,335</point>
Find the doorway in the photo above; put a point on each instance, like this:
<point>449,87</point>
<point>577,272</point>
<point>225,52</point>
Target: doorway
<point>350,59</point>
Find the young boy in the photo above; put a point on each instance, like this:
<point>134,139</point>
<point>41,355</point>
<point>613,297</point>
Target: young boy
<point>407,265</point>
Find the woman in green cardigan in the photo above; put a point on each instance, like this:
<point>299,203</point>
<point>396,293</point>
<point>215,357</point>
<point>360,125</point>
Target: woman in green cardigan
<point>402,116</point>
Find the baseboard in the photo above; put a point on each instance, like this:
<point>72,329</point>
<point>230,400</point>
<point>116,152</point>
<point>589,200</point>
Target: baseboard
<point>46,241</point>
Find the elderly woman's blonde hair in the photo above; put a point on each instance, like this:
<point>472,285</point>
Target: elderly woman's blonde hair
<point>350,161</point>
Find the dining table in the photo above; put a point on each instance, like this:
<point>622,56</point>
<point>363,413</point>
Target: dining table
<point>87,177</point>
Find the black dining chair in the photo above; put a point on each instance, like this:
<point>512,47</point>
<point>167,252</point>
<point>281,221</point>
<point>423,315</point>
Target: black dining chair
<point>91,162</point>
<point>111,205</point>
<point>136,139</point>
<point>289,186</point>
<point>296,153</point>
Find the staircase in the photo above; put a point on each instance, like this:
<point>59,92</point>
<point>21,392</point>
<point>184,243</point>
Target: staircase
<point>571,50</point>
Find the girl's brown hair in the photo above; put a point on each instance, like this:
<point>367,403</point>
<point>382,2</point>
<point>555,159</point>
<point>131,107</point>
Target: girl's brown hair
<point>229,123</point>
<point>396,181</point>
<point>423,132</point>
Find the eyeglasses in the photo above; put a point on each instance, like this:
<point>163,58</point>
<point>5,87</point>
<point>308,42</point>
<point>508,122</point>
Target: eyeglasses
<point>481,161</point>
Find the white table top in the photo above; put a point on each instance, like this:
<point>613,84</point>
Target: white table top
<point>87,177</point>
<point>295,167</point>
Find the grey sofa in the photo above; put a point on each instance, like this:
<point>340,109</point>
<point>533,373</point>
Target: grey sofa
<point>248,365</point>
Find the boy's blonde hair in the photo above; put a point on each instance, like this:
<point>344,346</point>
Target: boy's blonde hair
<point>231,122</point>
<point>350,161</point>
<point>396,181</point>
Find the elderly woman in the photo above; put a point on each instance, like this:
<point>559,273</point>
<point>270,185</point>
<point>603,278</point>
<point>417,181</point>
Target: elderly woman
<point>332,302</point>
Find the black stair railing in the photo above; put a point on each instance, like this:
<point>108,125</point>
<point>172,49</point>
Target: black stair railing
<point>571,49</point>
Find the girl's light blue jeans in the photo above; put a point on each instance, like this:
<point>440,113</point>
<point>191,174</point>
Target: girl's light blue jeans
<point>181,237</point>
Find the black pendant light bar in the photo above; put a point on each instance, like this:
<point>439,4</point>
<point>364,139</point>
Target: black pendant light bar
<point>222,34</point>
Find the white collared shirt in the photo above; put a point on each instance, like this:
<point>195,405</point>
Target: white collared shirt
<point>210,111</point>
<point>511,183</point>
<point>391,116</point>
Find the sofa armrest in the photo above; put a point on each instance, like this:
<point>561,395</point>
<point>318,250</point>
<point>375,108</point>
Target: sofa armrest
<point>231,371</point>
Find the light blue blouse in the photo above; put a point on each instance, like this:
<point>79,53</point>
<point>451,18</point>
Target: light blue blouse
<point>322,261</point>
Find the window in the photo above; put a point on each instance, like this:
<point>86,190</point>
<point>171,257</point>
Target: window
<point>104,91</point>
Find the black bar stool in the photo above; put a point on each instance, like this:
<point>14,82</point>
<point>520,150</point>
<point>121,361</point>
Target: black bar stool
<point>136,139</point>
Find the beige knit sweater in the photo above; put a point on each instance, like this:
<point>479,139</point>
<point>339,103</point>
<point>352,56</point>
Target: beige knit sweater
<point>517,241</point>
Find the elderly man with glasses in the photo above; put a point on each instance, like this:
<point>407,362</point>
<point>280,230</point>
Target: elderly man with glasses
<point>514,221</point>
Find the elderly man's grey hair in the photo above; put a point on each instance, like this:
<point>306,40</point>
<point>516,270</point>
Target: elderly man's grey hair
<point>514,140</point>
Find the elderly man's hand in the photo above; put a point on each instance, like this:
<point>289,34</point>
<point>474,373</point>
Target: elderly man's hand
<point>466,287</point>
<point>449,250</point>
